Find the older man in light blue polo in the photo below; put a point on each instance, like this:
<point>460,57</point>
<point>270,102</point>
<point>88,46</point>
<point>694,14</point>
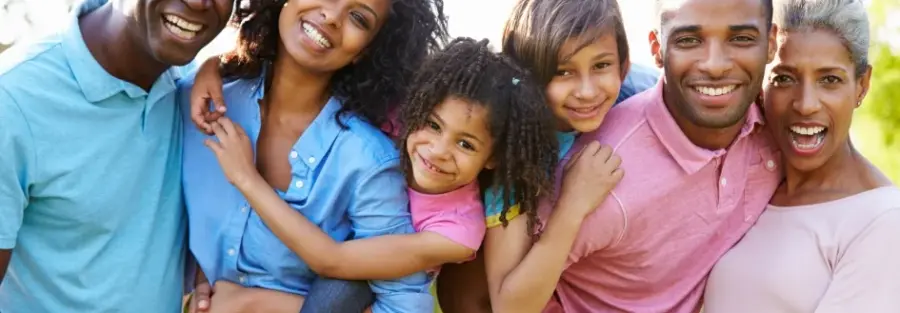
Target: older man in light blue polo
<point>91,216</point>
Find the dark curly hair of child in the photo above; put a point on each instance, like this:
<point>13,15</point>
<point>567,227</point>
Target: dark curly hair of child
<point>522,125</point>
<point>374,84</point>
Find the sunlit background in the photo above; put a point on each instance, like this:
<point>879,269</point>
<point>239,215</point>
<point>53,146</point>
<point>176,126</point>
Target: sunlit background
<point>876,128</point>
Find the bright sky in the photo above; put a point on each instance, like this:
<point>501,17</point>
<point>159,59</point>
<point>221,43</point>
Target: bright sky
<point>471,18</point>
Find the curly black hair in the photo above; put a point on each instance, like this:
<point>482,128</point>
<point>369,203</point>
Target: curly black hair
<point>370,87</point>
<point>521,123</point>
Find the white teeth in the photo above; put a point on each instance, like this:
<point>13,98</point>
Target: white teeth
<point>711,91</point>
<point>313,33</point>
<point>808,131</point>
<point>180,22</point>
<point>180,32</point>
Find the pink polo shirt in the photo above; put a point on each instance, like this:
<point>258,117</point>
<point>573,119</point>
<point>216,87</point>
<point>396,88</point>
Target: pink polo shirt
<point>651,244</point>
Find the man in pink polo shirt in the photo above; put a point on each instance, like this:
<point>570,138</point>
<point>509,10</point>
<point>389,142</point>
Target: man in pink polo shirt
<point>699,166</point>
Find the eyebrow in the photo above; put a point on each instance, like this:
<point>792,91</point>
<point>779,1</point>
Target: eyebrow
<point>697,28</point>
<point>464,134</point>
<point>368,8</point>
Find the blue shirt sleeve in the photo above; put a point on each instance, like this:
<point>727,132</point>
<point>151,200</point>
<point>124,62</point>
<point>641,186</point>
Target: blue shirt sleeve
<point>640,77</point>
<point>380,207</point>
<point>16,166</point>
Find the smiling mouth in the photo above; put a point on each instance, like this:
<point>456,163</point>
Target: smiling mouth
<point>430,166</point>
<point>316,36</point>
<point>715,91</point>
<point>809,138</point>
<point>181,27</point>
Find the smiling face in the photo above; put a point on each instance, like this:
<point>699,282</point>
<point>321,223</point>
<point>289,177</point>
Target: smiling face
<point>175,30</point>
<point>326,35</point>
<point>586,83</point>
<point>810,97</point>
<point>452,148</point>
<point>714,53</point>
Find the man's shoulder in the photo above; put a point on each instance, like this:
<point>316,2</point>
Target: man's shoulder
<point>624,123</point>
<point>34,61</point>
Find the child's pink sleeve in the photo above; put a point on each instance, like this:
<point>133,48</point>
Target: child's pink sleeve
<point>457,215</point>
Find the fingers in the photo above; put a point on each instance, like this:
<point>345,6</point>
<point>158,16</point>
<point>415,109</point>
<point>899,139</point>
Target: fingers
<point>201,297</point>
<point>227,125</point>
<point>214,146</point>
<point>589,149</point>
<point>199,112</point>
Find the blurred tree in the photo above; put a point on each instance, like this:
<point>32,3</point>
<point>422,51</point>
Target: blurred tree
<point>877,124</point>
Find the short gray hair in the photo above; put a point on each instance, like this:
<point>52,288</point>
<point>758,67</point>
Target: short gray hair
<point>846,19</point>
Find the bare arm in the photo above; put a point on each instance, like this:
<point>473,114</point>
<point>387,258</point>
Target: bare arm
<point>521,276</point>
<point>380,257</point>
<point>4,262</point>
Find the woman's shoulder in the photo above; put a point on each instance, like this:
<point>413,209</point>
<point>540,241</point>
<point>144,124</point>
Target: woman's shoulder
<point>364,139</point>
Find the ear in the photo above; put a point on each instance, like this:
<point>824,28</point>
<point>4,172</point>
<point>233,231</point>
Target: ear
<point>656,48</point>
<point>773,43</point>
<point>863,82</point>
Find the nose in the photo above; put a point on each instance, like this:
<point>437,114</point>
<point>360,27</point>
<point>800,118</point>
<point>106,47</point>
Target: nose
<point>331,14</point>
<point>587,89</point>
<point>806,103</point>
<point>717,63</point>
<point>198,5</point>
<point>440,148</point>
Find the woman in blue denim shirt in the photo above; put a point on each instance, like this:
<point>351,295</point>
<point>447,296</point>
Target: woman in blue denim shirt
<point>307,84</point>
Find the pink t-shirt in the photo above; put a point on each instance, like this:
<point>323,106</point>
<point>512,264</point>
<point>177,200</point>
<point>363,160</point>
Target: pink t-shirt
<point>457,215</point>
<point>651,244</point>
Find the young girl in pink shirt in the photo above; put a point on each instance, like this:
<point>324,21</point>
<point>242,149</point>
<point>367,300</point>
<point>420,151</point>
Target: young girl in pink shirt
<point>472,115</point>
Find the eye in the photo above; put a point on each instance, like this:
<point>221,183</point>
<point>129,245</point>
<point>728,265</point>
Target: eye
<point>602,65</point>
<point>830,80</point>
<point>433,126</point>
<point>685,42</point>
<point>360,19</point>
<point>563,73</point>
<point>466,145</point>
<point>744,39</point>
<point>781,80</point>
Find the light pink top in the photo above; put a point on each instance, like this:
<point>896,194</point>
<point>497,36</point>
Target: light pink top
<point>841,256</point>
<point>651,244</point>
<point>457,215</point>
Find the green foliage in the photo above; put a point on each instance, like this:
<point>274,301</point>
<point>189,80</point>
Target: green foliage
<point>876,126</point>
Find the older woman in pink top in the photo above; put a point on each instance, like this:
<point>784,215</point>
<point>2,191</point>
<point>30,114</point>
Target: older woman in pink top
<point>830,239</point>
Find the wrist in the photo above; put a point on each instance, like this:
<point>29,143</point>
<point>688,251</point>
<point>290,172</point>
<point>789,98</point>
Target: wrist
<point>248,181</point>
<point>571,210</point>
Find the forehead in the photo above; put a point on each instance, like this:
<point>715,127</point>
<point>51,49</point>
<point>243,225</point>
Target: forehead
<point>794,47</point>
<point>580,48</point>
<point>711,13</point>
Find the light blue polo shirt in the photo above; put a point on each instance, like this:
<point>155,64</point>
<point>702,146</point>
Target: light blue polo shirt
<point>90,184</point>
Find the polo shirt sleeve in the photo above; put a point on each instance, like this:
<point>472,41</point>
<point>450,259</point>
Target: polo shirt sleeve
<point>16,167</point>
<point>493,206</point>
<point>380,206</point>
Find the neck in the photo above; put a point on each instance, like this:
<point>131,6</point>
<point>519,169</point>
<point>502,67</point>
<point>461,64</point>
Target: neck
<point>845,170</point>
<point>294,89</point>
<point>123,56</point>
<point>704,137</point>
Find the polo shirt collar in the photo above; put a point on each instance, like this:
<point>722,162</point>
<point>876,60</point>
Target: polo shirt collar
<point>689,156</point>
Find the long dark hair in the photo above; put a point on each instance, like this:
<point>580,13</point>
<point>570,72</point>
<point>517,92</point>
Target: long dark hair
<point>369,87</point>
<point>520,122</point>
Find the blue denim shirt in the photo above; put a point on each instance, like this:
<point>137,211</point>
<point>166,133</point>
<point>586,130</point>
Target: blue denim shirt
<point>346,181</point>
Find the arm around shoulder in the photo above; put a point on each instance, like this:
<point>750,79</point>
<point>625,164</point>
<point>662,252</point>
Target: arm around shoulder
<point>867,277</point>
<point>381,207</point>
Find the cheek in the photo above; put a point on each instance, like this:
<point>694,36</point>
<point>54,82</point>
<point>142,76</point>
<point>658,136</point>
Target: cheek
<point>556,94</point>
<point>355,40</point>
<point>609,83</point>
